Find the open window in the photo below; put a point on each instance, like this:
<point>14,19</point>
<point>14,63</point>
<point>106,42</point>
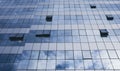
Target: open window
<point>103,32</point>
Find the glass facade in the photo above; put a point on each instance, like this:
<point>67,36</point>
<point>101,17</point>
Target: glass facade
<point>59,35</point>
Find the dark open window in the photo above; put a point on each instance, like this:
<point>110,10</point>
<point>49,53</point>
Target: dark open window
<point>17,37</point>
<point>92,6</point>
<point>45,33</point>
<point>48,18</point>
<point>42,35</point>
<point>103,32</point>
<point>109,17</point>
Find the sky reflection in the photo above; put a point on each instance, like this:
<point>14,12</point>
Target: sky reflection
<point>66,60</point>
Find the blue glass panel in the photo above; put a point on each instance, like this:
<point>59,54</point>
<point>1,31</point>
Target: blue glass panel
<point>69,54</point>
<point>4,58</point>
<point>43,55</point>
<point>51,54</point>
<point>26,55</point>
<point>61,65</point>
<point>88,65</point>
<point>98,64</point>
<point>60,54</point>
<point>79,64</point>
<point>34,55</point>
<point>23,64</point>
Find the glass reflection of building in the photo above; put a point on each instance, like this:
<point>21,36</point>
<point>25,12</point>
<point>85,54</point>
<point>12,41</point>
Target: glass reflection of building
<point>43,35</point>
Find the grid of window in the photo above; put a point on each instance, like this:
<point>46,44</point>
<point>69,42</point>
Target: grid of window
<point>59,35</point>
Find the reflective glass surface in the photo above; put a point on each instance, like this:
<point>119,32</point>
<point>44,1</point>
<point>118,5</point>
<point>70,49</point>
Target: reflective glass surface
<point>59,35</point>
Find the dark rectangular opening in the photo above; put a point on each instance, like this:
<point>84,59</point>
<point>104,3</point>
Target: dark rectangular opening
<point>93,6</point>
<point>87,58</point>
<point>103,32</point>
<point>109,17</point>
<point>42,35</point>
<point>17,37</point>
<point>49,18</point>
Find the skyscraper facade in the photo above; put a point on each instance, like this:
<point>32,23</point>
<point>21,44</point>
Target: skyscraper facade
<point>59,35</point>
